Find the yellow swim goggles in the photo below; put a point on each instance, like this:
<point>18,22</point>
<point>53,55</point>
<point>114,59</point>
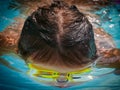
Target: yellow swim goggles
<point>37,71</point>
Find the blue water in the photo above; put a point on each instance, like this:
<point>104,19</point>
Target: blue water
<point>6,15</point>
<point>15,80</point>
<point>112,26</point>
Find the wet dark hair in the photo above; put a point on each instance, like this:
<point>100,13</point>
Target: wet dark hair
<point>58,32</point>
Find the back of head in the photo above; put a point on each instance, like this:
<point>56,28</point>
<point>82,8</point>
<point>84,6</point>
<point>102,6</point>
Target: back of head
<point>58,33</point>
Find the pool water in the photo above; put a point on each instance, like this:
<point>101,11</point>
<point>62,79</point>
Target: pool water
<point>6,15</point>
<point>15,77</point>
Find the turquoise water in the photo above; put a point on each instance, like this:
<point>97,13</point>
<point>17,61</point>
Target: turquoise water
<point>110,21</point>
<point>6,15</point>
<point>18,79</point>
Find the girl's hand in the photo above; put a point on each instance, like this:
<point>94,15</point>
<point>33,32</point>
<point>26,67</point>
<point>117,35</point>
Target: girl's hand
<point>110,59</point>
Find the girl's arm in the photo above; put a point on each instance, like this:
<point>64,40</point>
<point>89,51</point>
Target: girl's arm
<point>110,59</point>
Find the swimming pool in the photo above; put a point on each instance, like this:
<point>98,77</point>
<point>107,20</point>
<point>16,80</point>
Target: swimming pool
<point>15,80</point>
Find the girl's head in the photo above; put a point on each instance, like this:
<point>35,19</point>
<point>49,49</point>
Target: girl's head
<point>58,35</point>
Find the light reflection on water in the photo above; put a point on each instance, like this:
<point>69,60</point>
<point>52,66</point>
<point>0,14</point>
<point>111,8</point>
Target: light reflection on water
<point>15,77</point>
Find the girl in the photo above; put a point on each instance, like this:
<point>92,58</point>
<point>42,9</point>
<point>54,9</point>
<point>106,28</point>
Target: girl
<point>60,38</point>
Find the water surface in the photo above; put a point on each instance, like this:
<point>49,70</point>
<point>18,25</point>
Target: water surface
<point>17,79</point>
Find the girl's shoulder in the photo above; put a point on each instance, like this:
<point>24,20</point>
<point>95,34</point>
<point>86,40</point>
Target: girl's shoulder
<point>103,40</point>
<point>10,36</point>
